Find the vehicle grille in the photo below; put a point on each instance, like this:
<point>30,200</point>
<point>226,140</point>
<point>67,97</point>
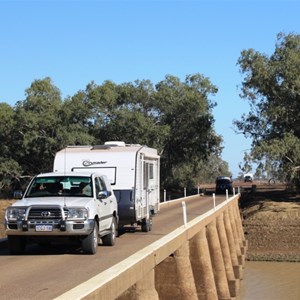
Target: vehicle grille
<point>47,213</point>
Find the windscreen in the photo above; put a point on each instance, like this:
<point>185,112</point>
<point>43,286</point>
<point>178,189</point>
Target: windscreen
<point>223,181</point>
<point>71,186</point>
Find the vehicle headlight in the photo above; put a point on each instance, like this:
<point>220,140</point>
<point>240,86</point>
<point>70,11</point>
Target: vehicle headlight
<point>15,213</point>
<point>77,213</point>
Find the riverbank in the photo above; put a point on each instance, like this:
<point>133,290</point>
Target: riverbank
<point>271,221</point>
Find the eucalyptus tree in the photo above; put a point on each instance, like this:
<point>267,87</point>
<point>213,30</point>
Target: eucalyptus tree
<point>173,116</point>
<point>126,112</point>
<point>9,167</point>
<point>37,134</point>
<point>271,84</point>
<point>76,120</point>
<point>7,126</point>
<point>186,109</point>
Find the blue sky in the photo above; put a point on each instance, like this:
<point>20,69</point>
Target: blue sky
<point>75,42</point>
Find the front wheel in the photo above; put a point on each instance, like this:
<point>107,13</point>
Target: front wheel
<point>90,243</point>
<point>110,239</point>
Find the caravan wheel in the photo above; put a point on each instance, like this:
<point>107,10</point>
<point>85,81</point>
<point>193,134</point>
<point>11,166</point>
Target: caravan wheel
<point>147,224</point>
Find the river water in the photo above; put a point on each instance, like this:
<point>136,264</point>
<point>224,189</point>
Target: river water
<point>271,281</point>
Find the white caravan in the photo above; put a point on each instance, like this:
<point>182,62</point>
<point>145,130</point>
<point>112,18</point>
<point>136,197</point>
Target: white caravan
<point>133,172</point>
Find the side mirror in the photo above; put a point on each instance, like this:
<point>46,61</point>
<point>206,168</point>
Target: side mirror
<point>103,195</point>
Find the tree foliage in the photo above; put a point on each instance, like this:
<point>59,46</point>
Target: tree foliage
<point>272,87</point>
<point>172,116</point>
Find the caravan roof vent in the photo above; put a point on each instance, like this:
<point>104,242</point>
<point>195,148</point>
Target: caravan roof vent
<point>115,143</point>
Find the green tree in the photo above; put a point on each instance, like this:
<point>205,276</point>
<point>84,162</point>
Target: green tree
<point>37,127</point>
<point>212,167</point>
<point>126,112</point>
<point>187,110</point>
<point>173,116</point>
<point>272,86</point>
<point>76,120</point>
<point>246,167</point>
<point>7,126</point>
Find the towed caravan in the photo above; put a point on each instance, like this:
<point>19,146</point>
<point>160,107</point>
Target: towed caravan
<point>133,172</point>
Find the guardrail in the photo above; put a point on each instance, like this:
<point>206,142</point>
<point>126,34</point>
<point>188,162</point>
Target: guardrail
<point>202,259</point>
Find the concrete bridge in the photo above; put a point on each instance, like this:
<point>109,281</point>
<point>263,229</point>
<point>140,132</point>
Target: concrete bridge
<point>202,259</point>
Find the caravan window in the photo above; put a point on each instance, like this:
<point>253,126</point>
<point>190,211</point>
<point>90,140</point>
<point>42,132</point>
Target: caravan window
<point>151,175</point>
<point>148,173</point>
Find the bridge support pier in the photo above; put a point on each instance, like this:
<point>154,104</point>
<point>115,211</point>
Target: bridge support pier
<point>217,262</point>
<point>236,264</point>
<point>233,283</point>
<point>202,267</point>
<point>174,277</point>
<point>239,224</point>
<point>142,290</point>
<point>186,281</point>
<point>234,226</point>
<point>166,279</point>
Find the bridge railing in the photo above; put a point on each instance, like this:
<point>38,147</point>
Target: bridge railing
<point>203,258</point>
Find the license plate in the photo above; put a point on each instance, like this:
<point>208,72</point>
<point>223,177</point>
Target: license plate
<point>43,228</point>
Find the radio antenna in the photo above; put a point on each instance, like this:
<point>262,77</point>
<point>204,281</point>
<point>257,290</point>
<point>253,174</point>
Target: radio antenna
<point>65,166</point>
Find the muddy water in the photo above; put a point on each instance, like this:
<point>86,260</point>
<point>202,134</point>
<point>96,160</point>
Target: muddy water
<point>271,281</point>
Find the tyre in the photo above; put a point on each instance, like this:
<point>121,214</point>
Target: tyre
<point>16,244</point>
<point>110,239</point>
<point>90,242</point>
<point>271,181</point>
<point>147,224</point>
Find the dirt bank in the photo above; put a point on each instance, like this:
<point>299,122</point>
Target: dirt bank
<point>271,220</point>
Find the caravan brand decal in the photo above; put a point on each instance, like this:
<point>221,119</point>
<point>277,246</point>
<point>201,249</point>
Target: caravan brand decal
<point>88,163</point>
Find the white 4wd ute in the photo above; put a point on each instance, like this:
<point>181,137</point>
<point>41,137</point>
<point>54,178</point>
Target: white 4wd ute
<point>71,204</point>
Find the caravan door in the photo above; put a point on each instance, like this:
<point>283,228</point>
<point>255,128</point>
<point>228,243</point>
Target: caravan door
<point>151,183</point>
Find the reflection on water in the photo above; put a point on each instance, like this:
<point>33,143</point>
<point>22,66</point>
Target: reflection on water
<point>271,281</point>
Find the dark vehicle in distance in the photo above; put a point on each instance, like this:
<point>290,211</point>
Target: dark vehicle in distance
<point>223,183</point>
<point>247,178</point>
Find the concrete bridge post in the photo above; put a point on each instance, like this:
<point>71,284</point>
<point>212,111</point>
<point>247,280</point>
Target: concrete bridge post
<point>239,221</point>
<point>243,240</point>
<point>185,276</point>
<point>233,283</point>
<point>144,289</point>
<point>166,279</point>
<point>234,226</point>
<point>237,267</point>
<point>174,277</point>
<point>202,267</point>
<point>217,262</point>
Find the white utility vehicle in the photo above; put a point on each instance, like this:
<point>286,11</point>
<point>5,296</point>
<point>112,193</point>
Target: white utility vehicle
<point>73,205</point>
<point>133,172</point>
